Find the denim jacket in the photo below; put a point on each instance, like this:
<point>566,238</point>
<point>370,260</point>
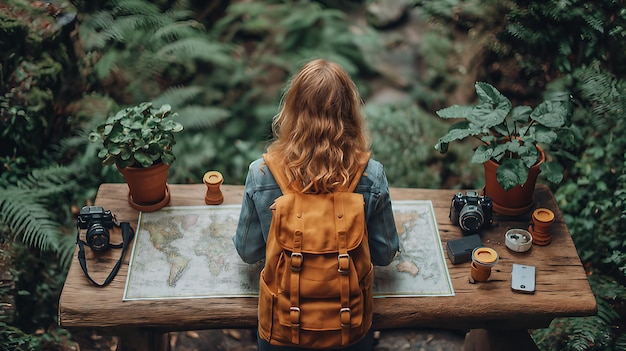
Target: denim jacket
<point>261,190</point>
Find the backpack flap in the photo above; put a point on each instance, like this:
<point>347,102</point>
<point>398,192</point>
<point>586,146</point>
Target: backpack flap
<point>311,215</point>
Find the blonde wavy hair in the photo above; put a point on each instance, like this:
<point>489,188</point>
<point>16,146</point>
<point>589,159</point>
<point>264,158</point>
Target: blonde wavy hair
<point>319,132</point>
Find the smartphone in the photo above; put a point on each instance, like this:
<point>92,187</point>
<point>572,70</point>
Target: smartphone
<point>523,278</point>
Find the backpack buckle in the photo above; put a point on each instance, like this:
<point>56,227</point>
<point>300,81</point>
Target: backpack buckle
<point>294,314</point>
<point>344,316</point>
<point>344,263</point>
<point>296,261</point>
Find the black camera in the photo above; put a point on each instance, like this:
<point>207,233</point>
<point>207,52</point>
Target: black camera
<point>471,211</point>
<point>97,221</point>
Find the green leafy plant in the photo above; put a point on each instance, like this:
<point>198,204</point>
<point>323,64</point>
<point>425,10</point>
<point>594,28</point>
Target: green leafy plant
<point>138,136</point>
<point>599,332</point>
<point>135,44</point>
<point>510,135</point>
<point>566,35</point>
<point>592,200</point>
<point>33,60</point>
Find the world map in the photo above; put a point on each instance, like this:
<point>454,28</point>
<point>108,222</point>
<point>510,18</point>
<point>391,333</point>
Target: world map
<point>187,252</point>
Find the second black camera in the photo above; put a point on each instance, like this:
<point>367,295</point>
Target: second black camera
<point>97,221</point>
<point>471,211</point>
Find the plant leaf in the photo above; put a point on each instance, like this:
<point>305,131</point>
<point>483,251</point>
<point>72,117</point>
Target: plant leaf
<point>487,93</point>
<point>486,116</point>
<point>499,151</point>
<point>143,158</point>
<point>492,109</point>
<point>511,173</point>
<point>544,135</point>
<point>455,111</point>
<point>521,114</point>
<point>552,171</point>
<point>529,155</point>
<point>456,134</point>
<point>482,154</point>
<point>551,114</point>
<point>167,158</point>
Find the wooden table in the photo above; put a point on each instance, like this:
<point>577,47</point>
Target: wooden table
<point>562,288</point>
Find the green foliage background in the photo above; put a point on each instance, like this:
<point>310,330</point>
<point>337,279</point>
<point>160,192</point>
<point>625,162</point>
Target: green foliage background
<point>64,67</point>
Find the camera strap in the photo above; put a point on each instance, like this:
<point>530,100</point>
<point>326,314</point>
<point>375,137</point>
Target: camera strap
<point>127,236</point>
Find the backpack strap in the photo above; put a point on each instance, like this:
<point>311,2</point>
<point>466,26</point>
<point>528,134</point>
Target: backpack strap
<point>286,187</point>
<point>343,258</point>
<point>280,177</point>
<point>358,174</point>
<point>294,298</point>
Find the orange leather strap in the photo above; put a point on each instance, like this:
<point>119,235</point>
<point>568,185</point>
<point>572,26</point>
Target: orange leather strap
<point>345,314</point>
<point>296,265</point>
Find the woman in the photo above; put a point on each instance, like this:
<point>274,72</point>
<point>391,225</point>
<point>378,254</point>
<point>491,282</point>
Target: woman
<point>319,134</point>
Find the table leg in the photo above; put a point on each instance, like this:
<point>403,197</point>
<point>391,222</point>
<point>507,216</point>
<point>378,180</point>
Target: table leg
<point>498,340</point>
<point>143,340</point>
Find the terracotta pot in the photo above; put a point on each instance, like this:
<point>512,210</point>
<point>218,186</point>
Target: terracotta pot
<point>517,200</point>
<point>148,190</point>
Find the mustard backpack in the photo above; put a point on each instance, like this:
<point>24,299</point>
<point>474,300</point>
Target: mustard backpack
<point>316,286</point>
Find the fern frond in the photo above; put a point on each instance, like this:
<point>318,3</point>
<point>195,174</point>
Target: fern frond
<point>620,342</point>
<point>588,332</point>
<point>121,29</point>
<point>91,32</point>
<point>65,250</point>
<point>127,7</point>
<point>195,48</point>
<point>565,48</point>
<point>23,207</point>
<point>605,93</point>
<point>29,219</point>
<point>178,96</point>
<point>122,24</point>
<point>180,12</point>
<point>106,64</point>
<point>202,117</point>
<point>297,20</point>
<point>574,333</point>
<point>606,313</point>
<point>178,30</point>
<point>606,287</point>
<point>595,22</point>
<point>249,9</point>
<point>47,181</point>
<point>597,332</point>
<point>525,34</point>
<point>125,28</point>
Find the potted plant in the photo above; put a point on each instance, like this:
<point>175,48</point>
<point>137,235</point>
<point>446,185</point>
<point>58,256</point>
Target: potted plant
<point>139,140</point>
<point>511,138</point>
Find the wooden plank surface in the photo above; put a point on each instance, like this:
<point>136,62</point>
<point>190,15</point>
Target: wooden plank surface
<point>561,290</point>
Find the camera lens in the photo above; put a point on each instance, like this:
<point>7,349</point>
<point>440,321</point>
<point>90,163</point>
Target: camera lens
<point>471,218</point>
<point>98,237</point>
